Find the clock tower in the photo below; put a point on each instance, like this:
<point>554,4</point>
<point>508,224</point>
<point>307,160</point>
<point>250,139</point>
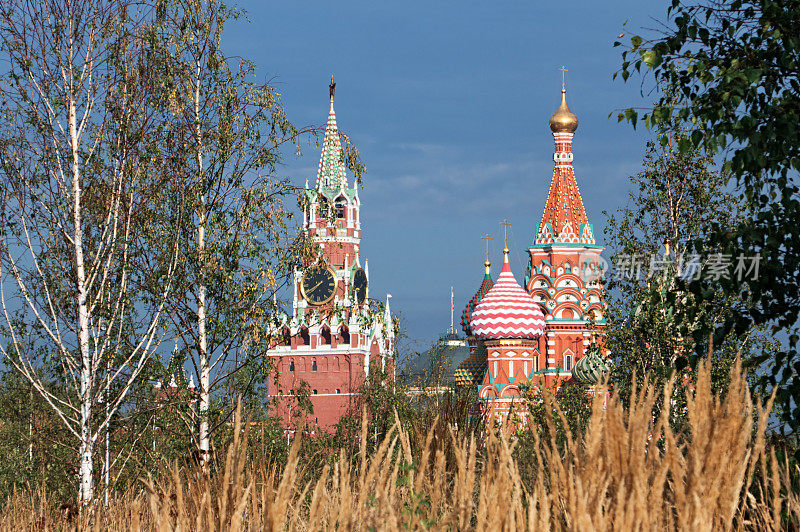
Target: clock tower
<point>336,334</point>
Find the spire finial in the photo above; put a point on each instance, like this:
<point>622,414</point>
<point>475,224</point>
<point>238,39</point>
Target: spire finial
<point>505,223</point>
<point>486,237</point>
<point>563,70</point>
<point>332,87</point>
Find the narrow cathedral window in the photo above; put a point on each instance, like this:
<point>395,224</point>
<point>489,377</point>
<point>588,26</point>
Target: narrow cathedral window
<point>314,367</point>
<point>291,365</point>
<point>568,363</point>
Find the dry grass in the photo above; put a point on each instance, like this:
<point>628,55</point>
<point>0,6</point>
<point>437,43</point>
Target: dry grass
<point>630,472</point>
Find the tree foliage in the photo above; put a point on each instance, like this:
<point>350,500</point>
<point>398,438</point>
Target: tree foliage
<point>79,145</point>
<point>676,198</point>
<point>733,65</point>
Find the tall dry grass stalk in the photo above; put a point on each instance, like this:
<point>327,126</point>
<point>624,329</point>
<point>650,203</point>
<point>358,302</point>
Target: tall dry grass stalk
<point>629,472</point>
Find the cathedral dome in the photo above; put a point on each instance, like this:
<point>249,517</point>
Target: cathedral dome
<point>563,120</point>
<point>591,369</point>
<point>486,285</point>
<point>507,310</point>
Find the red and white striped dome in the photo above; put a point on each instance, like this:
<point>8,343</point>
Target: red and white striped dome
<point>507,311</point>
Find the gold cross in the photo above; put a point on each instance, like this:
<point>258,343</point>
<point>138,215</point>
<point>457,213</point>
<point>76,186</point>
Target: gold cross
<point>487,238</point>
<point>505,225</point>
<point>563,70</point>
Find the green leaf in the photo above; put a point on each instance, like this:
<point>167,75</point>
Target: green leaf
<point>651,58</point>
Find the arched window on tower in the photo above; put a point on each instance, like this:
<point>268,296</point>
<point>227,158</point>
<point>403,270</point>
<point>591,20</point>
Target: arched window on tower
<point>313,365</point>
<point>286,336</point>
<point>303,338</point>
<point>339,205</point>
<point>344,335</point>
<point>568,362</point>
<point>323,206</point>
<point>325,336</point>
<point>291,365</point>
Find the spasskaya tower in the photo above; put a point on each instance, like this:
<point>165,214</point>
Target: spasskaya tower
<point>336,335</point>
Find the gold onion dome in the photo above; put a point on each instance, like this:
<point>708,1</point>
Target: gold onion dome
<point>563,120</point>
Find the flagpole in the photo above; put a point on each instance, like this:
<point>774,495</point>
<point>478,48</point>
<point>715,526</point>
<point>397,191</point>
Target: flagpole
<point>452,308</point>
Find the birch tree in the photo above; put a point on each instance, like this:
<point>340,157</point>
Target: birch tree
<point>81,172</point>
<point>238,245</point>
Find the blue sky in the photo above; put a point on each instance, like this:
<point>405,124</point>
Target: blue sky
<point>448,104</point>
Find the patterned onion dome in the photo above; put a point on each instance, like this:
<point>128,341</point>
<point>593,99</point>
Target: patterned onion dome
<point>471,371</point>
<point>486,285</point>
<point>507,311</point>
<point>592,368</point>
<point>474,369</point>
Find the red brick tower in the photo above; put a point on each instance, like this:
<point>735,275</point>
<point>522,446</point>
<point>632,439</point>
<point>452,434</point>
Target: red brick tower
<point>563,274</point>
<point>334,338</point>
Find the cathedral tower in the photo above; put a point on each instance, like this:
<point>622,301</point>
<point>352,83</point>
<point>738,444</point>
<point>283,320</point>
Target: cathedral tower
<point>510,324</point>
<point>564,270</point>
<point>335,337</point>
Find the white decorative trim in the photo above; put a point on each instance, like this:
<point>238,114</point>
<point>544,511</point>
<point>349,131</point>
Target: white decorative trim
<point>341,239</point>
<point>303,350</point>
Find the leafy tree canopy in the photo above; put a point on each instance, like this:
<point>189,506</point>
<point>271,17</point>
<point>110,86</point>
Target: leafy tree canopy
<point>733,66</point>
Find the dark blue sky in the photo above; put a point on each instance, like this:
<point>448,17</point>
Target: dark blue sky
<point>448,103</point>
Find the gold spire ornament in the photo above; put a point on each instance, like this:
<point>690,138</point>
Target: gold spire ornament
<point>487,263</point>
<point>505,225</point>
<point>563,120</point>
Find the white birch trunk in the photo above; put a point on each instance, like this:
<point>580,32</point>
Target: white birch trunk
<point>63,131</point>
<point>86,370</point>
<point>202,336</point>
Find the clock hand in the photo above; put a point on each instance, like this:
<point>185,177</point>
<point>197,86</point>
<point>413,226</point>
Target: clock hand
<point>315,286</point>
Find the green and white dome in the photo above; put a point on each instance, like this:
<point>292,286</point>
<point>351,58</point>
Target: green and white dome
<point>591,369</point>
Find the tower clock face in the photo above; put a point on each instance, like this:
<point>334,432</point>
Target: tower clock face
<point>318,285</point>
<point>360,286</point>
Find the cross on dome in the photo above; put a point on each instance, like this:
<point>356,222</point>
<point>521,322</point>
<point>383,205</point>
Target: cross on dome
<point>486,237</point>
<point>505,223</point>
